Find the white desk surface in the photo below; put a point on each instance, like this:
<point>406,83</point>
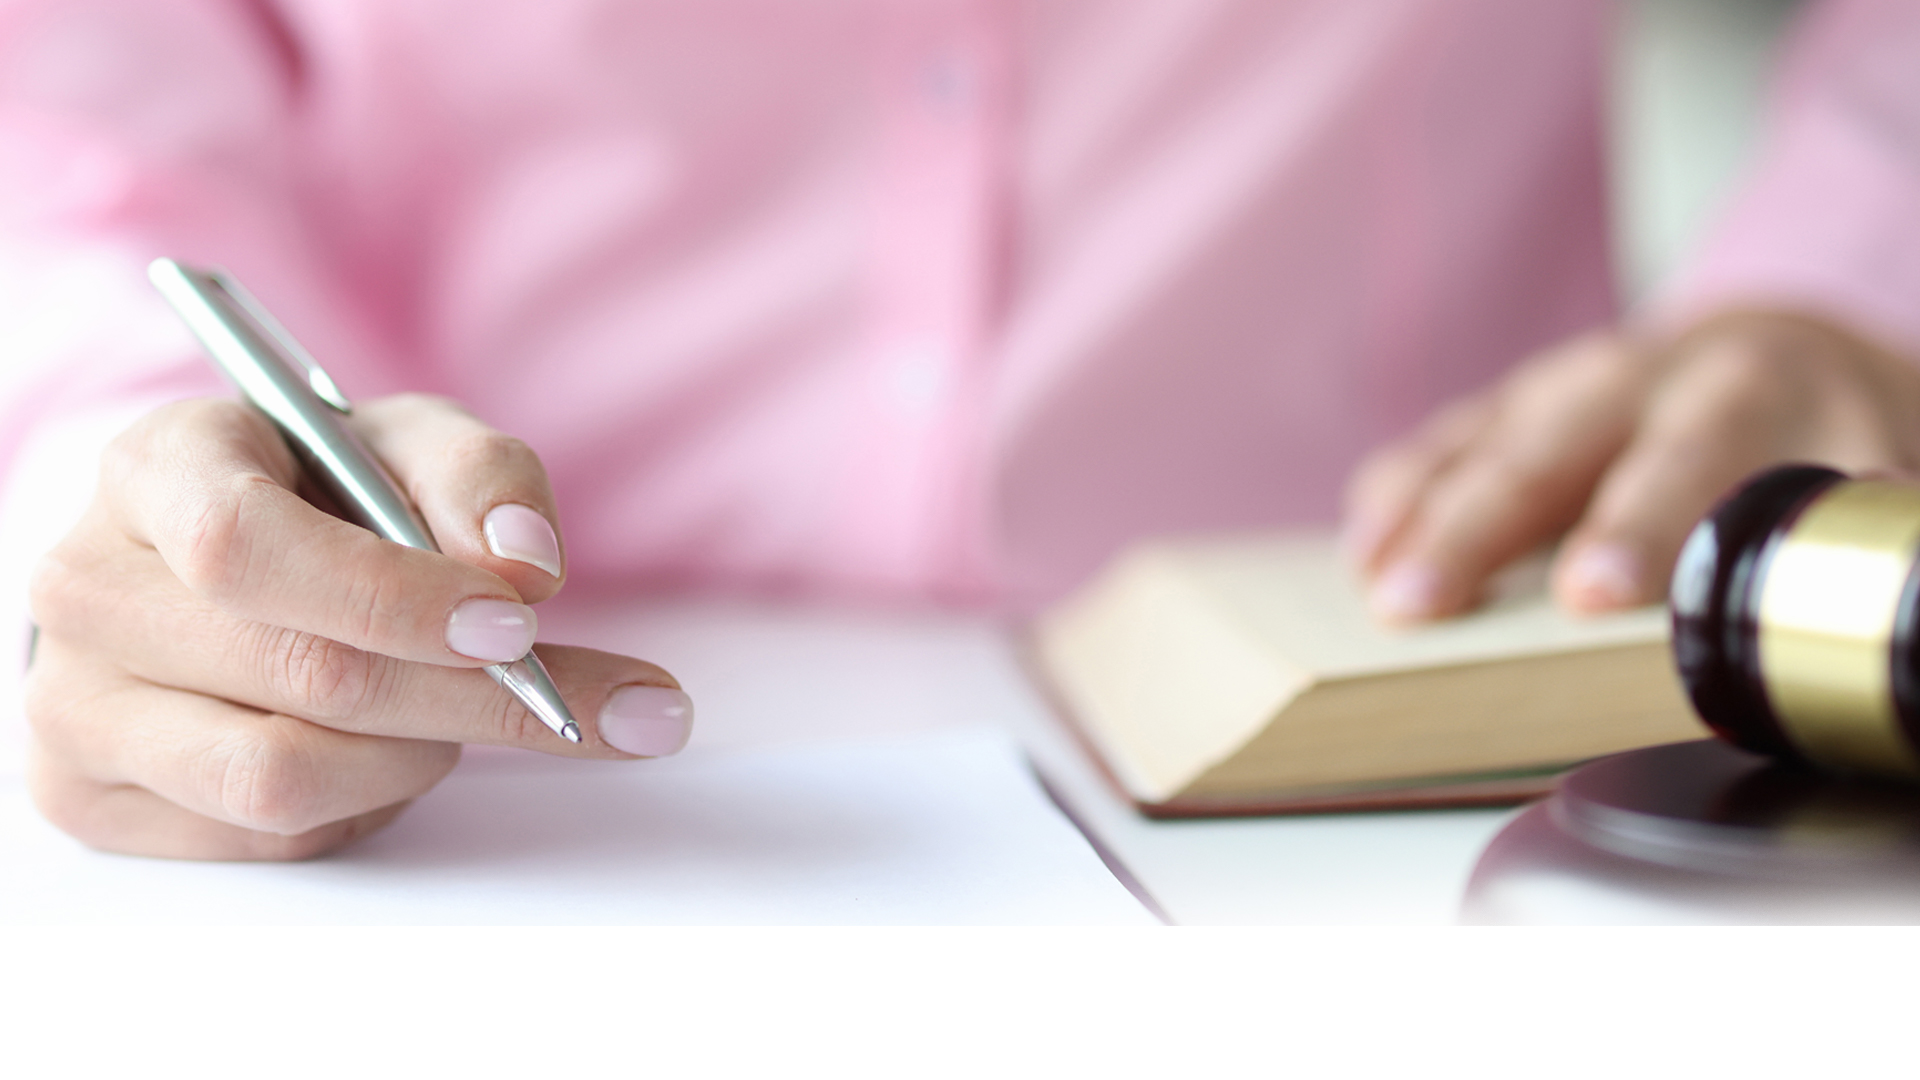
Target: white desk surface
<point>766,674</point>
<point>868,735</point>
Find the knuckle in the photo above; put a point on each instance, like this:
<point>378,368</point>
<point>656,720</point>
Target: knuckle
<point>323,679</point>
<point>1517,475</point>
<point>375,607</point>
<point>270,783</point>
<point>213,554</point>
<point>146,439</point>
<point>509,721</point>
<point>54,587</point>
<point>1690,448</point>
<point>1764,377</point>
<point>489,453</point>
<point>209,543</point>
<point>47,704</point>
<point>1580,384</point>
<point>1744,368</point>
<point>1509,489</point>
<point>123,458</point>
<point>375,603</point>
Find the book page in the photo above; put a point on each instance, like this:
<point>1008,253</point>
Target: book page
<point>1297,596</point>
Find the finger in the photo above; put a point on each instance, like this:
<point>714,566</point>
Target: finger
<point>1386,487</point>
<point>1622,552</point>
<point>129,606</point>
<point>259,771</point>
<point>1733,408</point>
<point>1519,485</point>
<point>203,484</point>
<point>484,494</point>
<point>127,820</point>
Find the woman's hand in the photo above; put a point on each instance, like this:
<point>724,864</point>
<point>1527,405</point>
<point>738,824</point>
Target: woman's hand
<point>225,672</point>
<point>1622,449</point>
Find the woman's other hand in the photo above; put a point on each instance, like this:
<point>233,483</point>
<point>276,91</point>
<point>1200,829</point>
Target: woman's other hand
<point>1622,449</point>
<point>224,671</point>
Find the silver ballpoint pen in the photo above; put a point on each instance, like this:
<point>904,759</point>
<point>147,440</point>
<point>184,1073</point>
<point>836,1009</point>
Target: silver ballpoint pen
<point>282,380</point>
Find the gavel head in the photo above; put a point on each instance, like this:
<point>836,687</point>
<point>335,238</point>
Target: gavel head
<point>1796,609</point>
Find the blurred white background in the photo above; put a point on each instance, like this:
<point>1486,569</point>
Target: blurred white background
<point>1689,76</point>
<point>1686,105</point>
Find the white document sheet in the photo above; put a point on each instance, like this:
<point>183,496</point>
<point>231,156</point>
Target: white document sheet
<point>942,827</point>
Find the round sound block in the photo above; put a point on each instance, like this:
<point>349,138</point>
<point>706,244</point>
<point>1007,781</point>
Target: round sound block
<point>1704,832</point>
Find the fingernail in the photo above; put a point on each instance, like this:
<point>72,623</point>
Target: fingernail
<point>651,721</point>
<point>1604,575</point>
<point>496,630</point>
<point>1408,592</point>
<point>522,534</point>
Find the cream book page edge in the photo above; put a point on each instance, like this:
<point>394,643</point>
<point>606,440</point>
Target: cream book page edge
<point>1295,595</point>
<point>1455,723</point>
<point>1153,676</point>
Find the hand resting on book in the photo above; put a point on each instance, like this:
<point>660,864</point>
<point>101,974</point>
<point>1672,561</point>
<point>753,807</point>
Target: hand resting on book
<point>1622,446</point>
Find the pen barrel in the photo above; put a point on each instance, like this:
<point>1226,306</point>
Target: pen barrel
<point>251,358</point>
<point>358,484</point>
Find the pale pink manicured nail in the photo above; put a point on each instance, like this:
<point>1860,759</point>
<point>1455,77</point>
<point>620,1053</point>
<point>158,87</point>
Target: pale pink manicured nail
<point>651,721</point>
<point>1406,593</point>
<point>496,630</point>
<point>1606,573</point>
<point>522,534</point>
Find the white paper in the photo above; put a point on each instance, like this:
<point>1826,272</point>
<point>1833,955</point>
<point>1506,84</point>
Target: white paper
<point>941,828</point>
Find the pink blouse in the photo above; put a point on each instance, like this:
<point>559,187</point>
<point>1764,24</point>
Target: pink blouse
<point>912,298</point>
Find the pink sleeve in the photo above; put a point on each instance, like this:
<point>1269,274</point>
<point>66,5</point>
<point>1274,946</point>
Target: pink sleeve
<point>1829,219</point>
<point>149,127</point>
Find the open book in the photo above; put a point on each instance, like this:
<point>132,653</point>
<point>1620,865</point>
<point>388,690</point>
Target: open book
<point>1246,676</point>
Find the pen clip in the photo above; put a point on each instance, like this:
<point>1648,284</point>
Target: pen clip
<point>317,378</point>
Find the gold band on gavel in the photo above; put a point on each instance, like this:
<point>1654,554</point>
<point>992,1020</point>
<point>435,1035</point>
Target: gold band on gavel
<point>1827,612</point>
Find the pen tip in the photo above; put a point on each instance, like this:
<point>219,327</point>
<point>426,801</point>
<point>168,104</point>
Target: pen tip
<point>571,732</point>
